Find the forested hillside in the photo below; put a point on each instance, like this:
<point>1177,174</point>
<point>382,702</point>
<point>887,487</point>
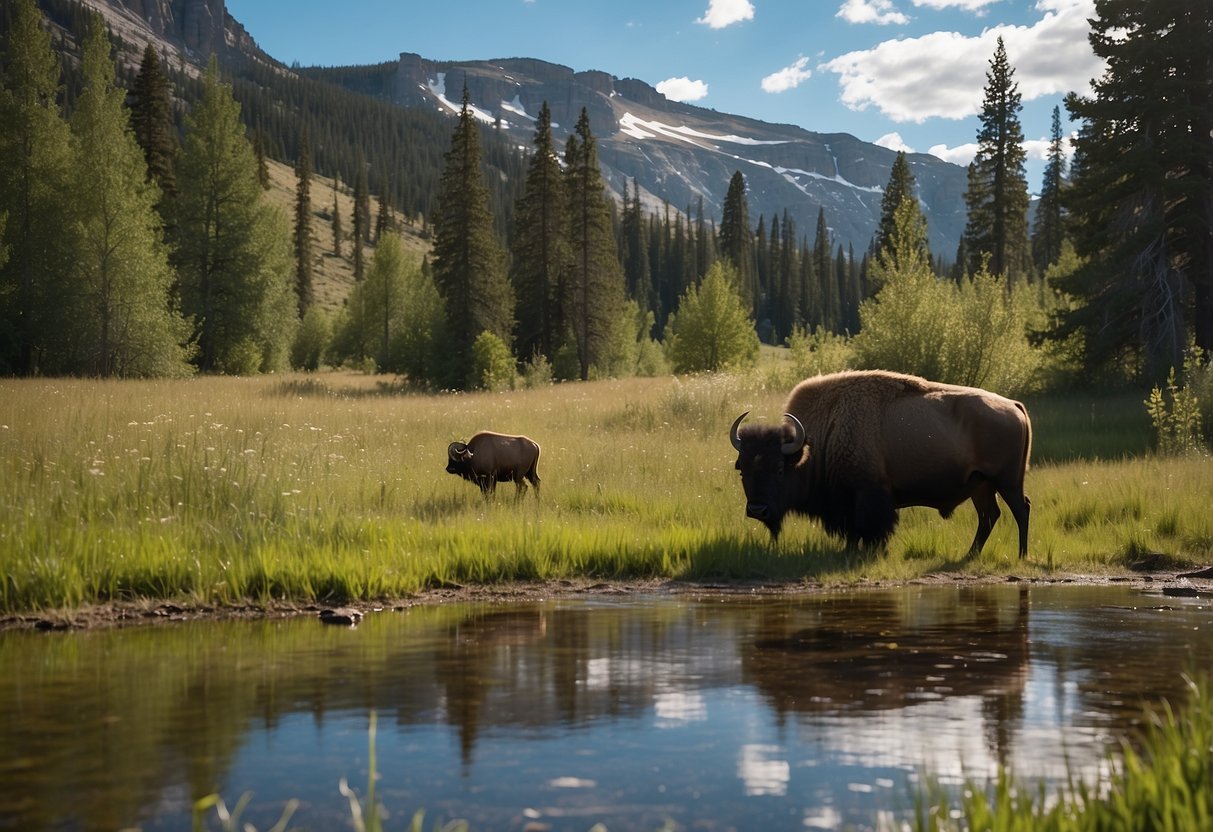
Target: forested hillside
<point>151,225</point>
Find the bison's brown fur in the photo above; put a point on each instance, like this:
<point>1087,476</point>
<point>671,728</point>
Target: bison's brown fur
<point>877,441</point>
<point>489,458</point>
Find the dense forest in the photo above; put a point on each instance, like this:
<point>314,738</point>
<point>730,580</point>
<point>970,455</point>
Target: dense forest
<point>536,270</point>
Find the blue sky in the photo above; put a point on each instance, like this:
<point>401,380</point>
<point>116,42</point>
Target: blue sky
<point>906,74</point>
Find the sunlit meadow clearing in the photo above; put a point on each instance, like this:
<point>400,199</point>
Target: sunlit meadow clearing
<point>333,487</point>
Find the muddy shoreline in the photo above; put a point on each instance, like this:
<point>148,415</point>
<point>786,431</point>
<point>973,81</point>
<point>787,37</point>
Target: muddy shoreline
<point>151,612</point>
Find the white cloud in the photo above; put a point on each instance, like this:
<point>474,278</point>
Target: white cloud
<point>893,141</point>
<point>682,89</point>
<point>965,5</point>
<point>788,78</point>
<point>960,155</point>
<point>943,74</point>
<point>881,12</point>
<point>722,13</point>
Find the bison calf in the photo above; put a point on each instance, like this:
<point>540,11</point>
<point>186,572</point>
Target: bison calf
<point>489,458</point>
<point>857,446</point>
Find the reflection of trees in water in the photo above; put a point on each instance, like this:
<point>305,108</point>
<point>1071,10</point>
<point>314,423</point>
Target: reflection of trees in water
<point>873,652</point>
<point>111,721</point>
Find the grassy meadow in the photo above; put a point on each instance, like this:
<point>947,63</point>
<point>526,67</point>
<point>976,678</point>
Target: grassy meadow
<point>333,487</point>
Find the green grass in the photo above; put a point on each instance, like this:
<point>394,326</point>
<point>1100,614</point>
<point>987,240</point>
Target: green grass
<point>333,487</point>
<point>1164,784</point>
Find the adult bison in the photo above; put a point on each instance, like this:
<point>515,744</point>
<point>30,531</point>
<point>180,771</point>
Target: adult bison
<point>489,458</point>
<point>856,446</point>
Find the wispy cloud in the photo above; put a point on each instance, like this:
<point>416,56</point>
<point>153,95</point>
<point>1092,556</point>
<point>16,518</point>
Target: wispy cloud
<point>722,13</point>
<point>966,5</point>
<point>682,89</point>
<point>881,12</point>
<point>788,78</point>
<point>943,74</point>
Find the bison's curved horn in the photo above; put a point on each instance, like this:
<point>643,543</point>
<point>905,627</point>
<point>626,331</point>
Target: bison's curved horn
<point>797,442</point>
<point>455,448</point>
<point>733,437</point>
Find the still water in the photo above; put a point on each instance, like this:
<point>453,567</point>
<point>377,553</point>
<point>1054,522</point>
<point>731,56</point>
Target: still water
<point>701,712</point>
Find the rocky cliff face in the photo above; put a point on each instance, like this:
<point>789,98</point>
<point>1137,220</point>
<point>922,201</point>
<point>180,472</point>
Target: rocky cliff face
<point>198,28</point>
<point>686,155</point>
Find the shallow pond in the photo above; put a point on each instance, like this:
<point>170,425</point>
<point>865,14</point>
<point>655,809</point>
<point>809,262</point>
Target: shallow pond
<point>702,712</point>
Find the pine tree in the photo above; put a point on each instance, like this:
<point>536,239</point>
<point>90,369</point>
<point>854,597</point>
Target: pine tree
<point>34,179</point>
<point>259,152</point>
<point>635,253</point>
<point>469,264</point>
<point>383,216</point>
<point>337,229</point>
<point>736,239</point>
<point>361,221</point>
<point>823,267</point>
<point>152,119</point>
<point>594,290</point>
<point>997,197</point>
<point>539,248</point>
<point>124,322</point>
<point>383,295</point>
<point>1049,231</point>
<point>1141,178</point>
<point>232,250</point>
<point>900,187</point>
<point>303,225</point>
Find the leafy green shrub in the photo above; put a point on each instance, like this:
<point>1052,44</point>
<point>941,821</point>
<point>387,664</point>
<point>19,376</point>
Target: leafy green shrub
<point>818,353</point>
<point>1176,418</point>
<point>537,372</point>
<point>974,333</point>
<point>492,364</point>
<point>712,329</point>
<point>311,340</point>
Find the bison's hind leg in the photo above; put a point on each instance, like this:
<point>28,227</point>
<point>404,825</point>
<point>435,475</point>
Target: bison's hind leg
<point>533,476</point>
<point>986,503</point>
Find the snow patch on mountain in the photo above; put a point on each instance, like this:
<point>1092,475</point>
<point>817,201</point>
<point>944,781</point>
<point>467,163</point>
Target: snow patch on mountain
<point>642,129</point>
<point>438,90</point>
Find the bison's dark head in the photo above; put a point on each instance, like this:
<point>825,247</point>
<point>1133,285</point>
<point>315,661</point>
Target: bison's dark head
<point>459,460</point>
<point>767,456</point>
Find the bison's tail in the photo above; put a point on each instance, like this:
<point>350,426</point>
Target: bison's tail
<point>1027,439</point>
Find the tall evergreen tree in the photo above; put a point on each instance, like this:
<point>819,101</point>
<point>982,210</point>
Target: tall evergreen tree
<point>152,119</point>
<point>539,247</point>
<point>260,154</point>
<point>1141,179</point>
<point>900,187</point>
<point>1049,231</point>
<point>594,291</point>
<point>786,305</point>
<point>124,322</point>
<point>736,239</point>
<point>469,264</point>
<point>360,232</point>
<point>232,249</point>
<point>303,225</point>
<point>997,197</point>
<point>383,216</point>
<point>823,266</point>
<point>337,229</point>
<point>34,178</point>
<point>634,251</point>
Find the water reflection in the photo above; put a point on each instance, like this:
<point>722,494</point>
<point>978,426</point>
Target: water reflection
<point>811,711</point>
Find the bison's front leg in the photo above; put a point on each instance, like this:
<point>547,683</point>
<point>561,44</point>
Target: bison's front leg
<point>875,518</point>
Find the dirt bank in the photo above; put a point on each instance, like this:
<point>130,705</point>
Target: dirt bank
<point>153,612</point>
